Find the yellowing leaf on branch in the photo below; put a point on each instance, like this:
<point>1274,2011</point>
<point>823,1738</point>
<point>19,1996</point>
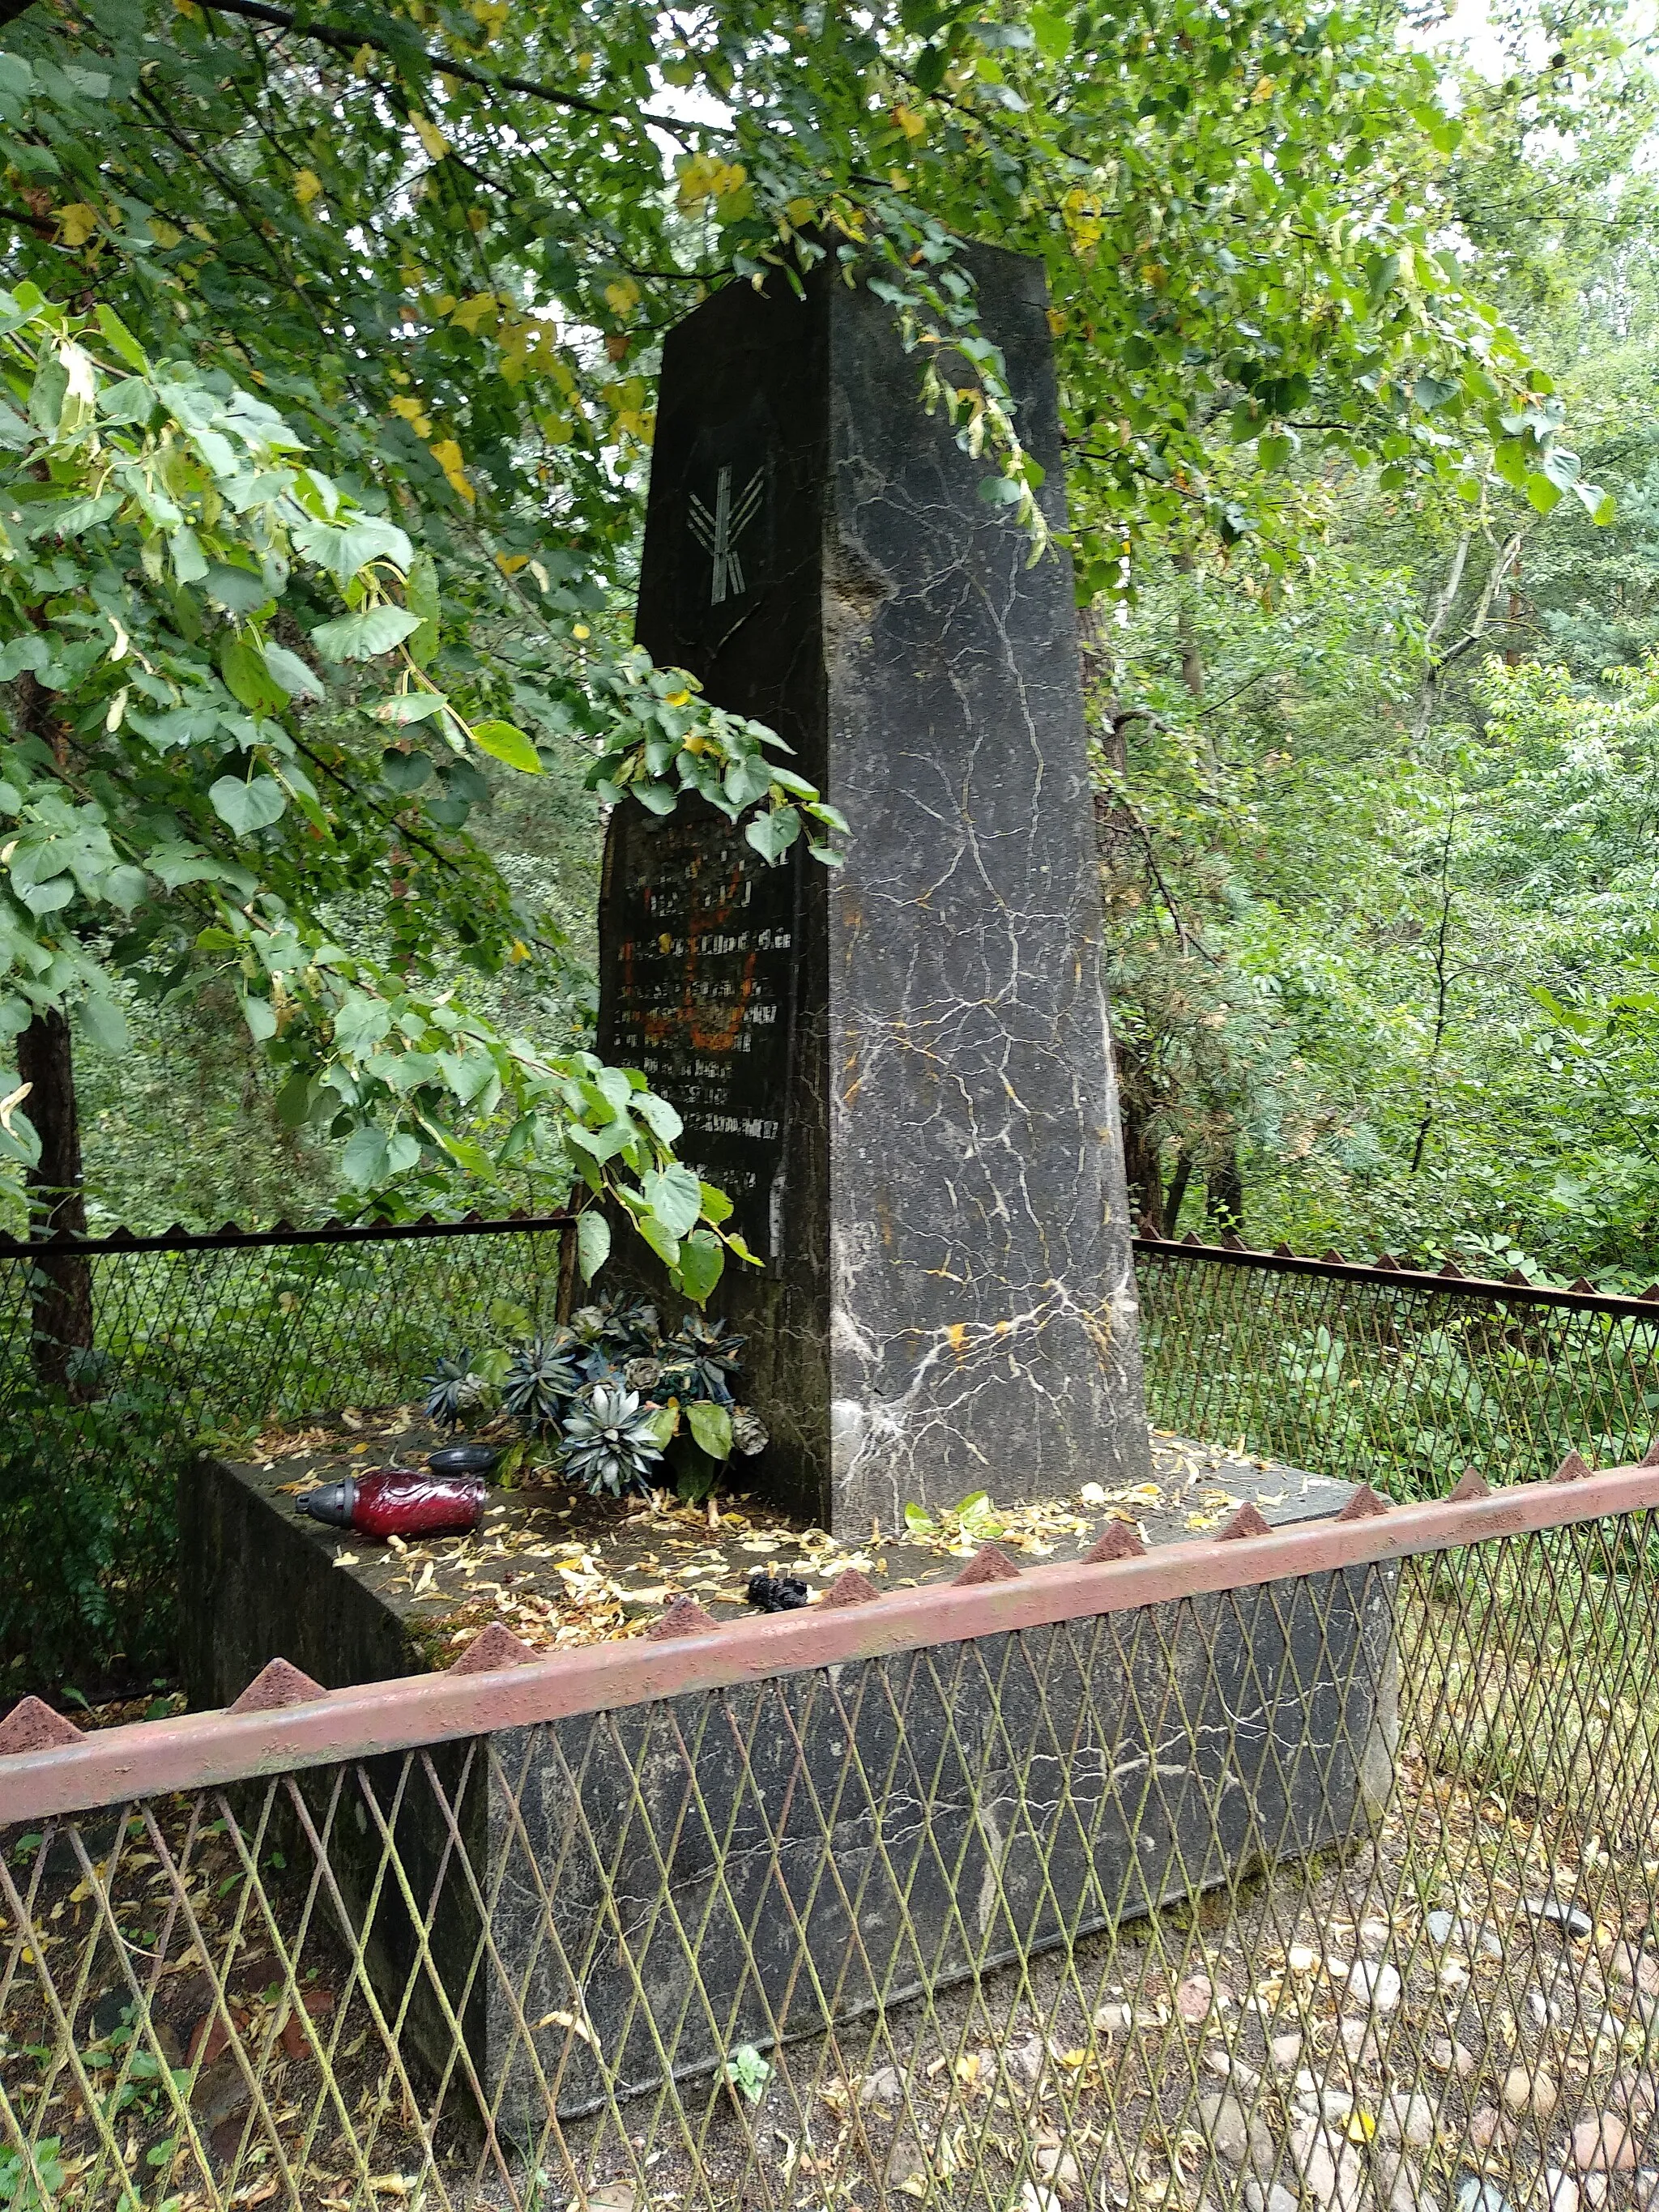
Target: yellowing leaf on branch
<point>1083,226</point>
<point>451,459</point>
<point>307,185</point>
<point>480,312</point>
<point>909,122</point>
<point>76,223</point>
<point>430,136</point>
<point>705,177</point>
<point>622,297</point>
<point>163,233</point>
<point>629,414</point>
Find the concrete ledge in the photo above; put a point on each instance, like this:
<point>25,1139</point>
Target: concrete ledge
<point>736,1865</point>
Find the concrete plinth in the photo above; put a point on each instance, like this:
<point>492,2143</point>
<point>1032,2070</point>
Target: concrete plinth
<point>723,1869</point>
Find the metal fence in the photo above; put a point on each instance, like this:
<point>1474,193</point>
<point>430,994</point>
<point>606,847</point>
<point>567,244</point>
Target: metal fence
<point>1306,1867</point>
<point>1392,1375</point>
<point>1401,1377</point>
<point>221,1334</point>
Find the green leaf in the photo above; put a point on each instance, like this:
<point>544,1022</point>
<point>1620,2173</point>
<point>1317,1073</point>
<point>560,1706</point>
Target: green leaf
<point>1601,505</point>
<point>247,677</point>
<point>344,549</point>
<point>666,1247</point>
<point>593,1242</point>
<point>365,635</point>
<point>716,1205</point>
<point>421,592</point>
<point>131,400</point>
<point>675,1197</point>
<point>659,1116</point>
<point>292,674</point>
<point>363,1162</point>
<point>773,834</point>
<point>1052,33</point>
<point>711,1424</point>
<point>404,771</point>
<point>238,590</point>
<point>260,1015</point>
<point>105,1022</point>
<point>702,1263</point>
<point>503,742</point>
<point>406,707</point>
<point>247,807</point>
<point>122,339</point>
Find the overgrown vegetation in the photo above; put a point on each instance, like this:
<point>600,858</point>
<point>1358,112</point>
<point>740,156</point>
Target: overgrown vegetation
<point>443,245</point>
<point>1380,837</point>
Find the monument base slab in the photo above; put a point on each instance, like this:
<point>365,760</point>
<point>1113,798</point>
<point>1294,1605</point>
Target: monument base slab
<point>665,1883</point>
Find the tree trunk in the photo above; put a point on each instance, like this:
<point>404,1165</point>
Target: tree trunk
<point>1176,1193</point>
<point>1143,1172</point>
<point>1224,1194</point>
<point>61,1283</point>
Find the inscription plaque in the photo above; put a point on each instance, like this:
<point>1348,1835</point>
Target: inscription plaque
<point>705,953</point>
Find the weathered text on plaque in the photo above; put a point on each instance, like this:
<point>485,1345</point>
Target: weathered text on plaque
<point>703,1001</point>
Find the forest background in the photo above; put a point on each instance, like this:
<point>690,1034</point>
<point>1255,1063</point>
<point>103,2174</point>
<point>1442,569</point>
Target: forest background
<point>1370,653</point>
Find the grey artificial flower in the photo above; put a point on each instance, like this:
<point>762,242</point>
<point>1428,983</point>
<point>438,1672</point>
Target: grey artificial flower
<point>748,1431</point>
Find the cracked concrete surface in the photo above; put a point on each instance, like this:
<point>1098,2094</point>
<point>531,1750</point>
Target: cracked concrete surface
<point>932,1170</point>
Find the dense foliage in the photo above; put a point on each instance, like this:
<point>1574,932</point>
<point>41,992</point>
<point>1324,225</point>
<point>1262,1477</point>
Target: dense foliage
<point>1286,248</point>
<point>1380,842</point>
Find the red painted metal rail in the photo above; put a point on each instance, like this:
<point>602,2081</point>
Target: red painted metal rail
<point>150,1759</point>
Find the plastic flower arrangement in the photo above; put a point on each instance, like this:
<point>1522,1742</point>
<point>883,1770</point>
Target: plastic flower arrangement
<point>619,1401</point>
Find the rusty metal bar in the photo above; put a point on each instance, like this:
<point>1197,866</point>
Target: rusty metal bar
<point>230,1238</point>
<point>1441,1285</point>
<point>148,1758</point>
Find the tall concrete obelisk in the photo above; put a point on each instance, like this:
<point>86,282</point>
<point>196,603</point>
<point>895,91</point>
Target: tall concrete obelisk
<point>901,1069</point>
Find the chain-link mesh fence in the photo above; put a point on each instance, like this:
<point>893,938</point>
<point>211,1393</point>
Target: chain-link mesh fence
<point>1152,1885</point>
<point>1380,1374</point>
<point>1345,1370</point>
<point>191,1336</point>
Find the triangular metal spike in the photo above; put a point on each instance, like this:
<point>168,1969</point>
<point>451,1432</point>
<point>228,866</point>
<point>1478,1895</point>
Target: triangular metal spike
<point>1194,1240</point>
<point>1386,1262</point>
<point>1573,1468</point>
<point>1468,1484</point>
<point>850,1587</point>
<point>32,1725</point>
<point>1581,1285</point>
<point>1283,1252</point>
<point>1650,1456</point>
<point>990,1563</point>
<point>1363,1505</point>
<point>1118,1540</point>
<point>1232,1242</point>
<point>1247,1522</point>
<point>682,1616</point>
<point>491,1650</point>
<point>276,1684</point>
<point>1516,1276</point>
<point>1453,1273</point>
<point>1338,1259</point>
<point>1650,1296</point>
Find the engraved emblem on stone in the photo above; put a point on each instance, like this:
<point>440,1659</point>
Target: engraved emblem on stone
<point>720,532</point>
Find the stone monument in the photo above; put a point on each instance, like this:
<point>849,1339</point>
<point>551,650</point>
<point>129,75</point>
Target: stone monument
<point>900,1070</point>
